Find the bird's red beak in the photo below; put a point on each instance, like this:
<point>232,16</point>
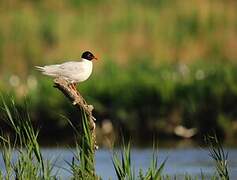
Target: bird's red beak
<point>95,58</point>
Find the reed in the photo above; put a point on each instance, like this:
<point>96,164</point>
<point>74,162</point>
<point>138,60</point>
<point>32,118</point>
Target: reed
<point>219,156</point>
<point>30,164</point>
<point>82,164</point>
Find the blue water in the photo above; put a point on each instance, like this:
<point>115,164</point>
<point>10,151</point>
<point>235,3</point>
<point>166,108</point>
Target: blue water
<point>180,161</point>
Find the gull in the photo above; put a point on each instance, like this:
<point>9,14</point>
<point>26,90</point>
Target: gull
<point>73,72</point>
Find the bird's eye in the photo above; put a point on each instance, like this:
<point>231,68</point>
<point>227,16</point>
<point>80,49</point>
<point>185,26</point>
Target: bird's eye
<point>89,56</point>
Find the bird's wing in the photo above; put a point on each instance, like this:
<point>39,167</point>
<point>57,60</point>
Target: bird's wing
<point>67,69</point>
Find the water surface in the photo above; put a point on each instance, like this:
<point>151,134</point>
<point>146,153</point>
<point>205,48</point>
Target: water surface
<point>180,161</point>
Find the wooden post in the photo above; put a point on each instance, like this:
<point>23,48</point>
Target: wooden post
<point>78,101</point>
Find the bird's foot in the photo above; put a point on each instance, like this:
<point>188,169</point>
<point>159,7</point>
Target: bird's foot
<point>73,87</point>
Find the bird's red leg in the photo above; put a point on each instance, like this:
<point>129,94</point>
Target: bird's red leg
<point>70,86</point>
<point>74,86</point>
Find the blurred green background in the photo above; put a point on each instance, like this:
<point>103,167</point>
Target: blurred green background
<point>164,65</point>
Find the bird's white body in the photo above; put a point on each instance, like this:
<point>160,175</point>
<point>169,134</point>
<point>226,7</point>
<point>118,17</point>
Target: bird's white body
<point>72,71</point>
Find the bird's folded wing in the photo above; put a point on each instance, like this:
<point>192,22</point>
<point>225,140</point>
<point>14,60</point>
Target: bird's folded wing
<point>69,68</point>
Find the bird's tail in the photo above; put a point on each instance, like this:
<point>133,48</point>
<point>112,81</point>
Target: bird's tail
<point>47,70</point>
<point>40,68</point>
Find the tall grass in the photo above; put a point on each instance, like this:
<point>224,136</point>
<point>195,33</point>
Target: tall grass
<point>83,161</point>
<point>30,164</point>
<point>219,156</point>
<point>156,32</point>
<point>161,31</point>
<point>125,170</point>
<point>143,96</point>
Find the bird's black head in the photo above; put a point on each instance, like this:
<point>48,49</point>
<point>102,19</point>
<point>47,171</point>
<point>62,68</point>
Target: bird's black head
<point>88,56</point>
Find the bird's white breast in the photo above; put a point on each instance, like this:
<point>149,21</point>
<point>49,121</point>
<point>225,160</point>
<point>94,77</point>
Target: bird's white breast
<point>81,71</point>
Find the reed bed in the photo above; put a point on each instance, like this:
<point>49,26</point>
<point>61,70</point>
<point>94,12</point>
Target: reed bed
<point>30,163</point>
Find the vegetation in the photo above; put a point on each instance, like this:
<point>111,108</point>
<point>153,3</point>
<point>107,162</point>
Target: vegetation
<point>83,162</point>
<point>219,156</point>
<point>124,168</point>
<point>150,98</point>
<point>163,63</point>
<point>31,165</point>
<point>38,32</point>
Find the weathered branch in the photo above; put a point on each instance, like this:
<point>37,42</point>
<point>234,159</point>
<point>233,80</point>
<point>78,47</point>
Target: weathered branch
<point>78,101</point>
